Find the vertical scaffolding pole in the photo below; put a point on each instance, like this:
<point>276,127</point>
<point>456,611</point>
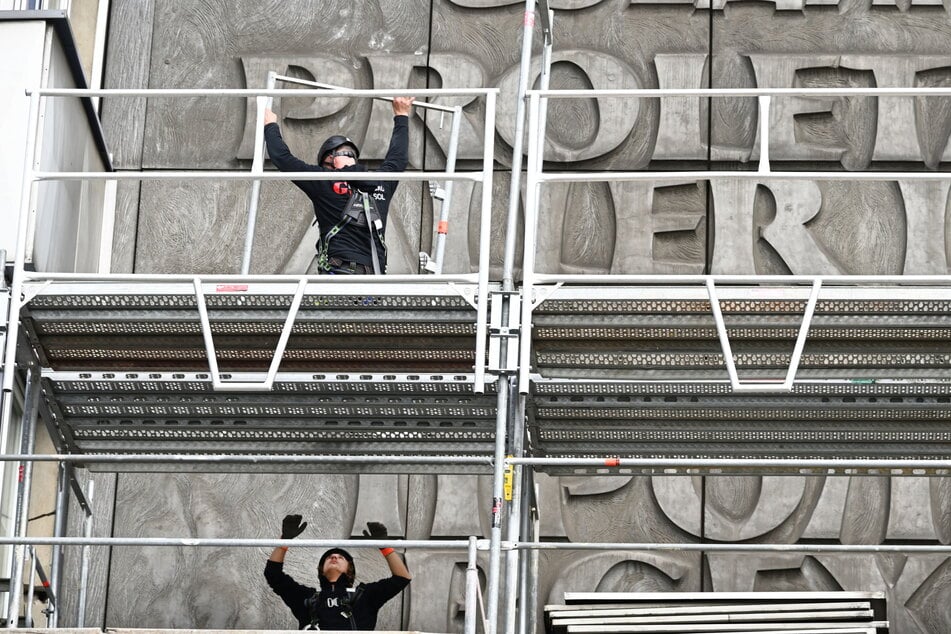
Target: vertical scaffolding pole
<point>84,566</point>
<point>527,604</point>
<point>24,486</point>
<point>763,167</point>
<point>513,532</point>
<point>443,225</point>
<point>495,538</point>
<point>472,588</point>
<point>16,288</point>
<point>257,167</point>
<point>59,529</point>
<point>531,599</point>
<point>28,612</point>
<point>528,257</point>
<point>524,70</point>
<point>485,237</point>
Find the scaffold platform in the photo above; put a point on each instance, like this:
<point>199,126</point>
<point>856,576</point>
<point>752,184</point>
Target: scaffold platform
<point>640,372</point>
<point>386,371</point>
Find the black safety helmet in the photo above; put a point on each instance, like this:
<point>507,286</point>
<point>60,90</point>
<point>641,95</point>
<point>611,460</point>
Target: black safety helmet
<point>351,573</point>
<point>332,143</point>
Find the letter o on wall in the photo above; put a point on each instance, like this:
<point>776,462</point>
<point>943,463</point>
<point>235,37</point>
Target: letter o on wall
<point>612,121</point>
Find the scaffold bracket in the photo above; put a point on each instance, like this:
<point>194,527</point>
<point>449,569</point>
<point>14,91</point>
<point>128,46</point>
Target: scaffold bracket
<point>216,375</point>
<point>542,293</point>
<point>504,331</point>
<point>31,291</point>
<point>764,385</point>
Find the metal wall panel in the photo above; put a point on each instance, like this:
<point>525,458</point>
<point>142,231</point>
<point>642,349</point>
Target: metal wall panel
<point>722,227</point>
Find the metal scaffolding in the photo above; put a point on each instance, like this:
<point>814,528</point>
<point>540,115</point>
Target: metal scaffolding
<point>583,374</point>
<point>254,373</point>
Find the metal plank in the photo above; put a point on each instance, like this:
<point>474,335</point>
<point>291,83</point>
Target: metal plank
<point>752,291</point>
<point>848,629</point>
<point>616,597</point>
<point>706,618</point>
<point>790,628</point>
<point>597,610</point>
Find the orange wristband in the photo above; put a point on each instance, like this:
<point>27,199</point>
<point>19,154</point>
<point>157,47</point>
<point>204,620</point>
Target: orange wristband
<point>284,548</point>
<point>387,551</point>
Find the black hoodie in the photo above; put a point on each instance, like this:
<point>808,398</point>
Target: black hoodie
<point>328,608</point>
<point>352,243</point>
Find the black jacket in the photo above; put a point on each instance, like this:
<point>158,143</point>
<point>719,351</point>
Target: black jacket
<point>352,243</point>
<point>328,607</point>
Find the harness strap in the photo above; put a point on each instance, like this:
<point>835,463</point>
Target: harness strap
<point>323,245</point>
<point>371,227</point>
<point>374,227</point>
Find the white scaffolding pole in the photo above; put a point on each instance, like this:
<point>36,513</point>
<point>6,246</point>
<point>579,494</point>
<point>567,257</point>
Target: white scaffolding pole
<point>257,167</point>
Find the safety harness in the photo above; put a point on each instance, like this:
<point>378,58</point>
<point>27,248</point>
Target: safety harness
<point>361,211</point>
<point>347,604</point>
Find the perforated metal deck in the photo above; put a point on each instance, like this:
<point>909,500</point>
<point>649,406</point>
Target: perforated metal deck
<point>821,420</point>
<point>386,372</point>
<point>336,415</point>
<point>412,327</point>
<point>670,333</point>
<point>639,372</point>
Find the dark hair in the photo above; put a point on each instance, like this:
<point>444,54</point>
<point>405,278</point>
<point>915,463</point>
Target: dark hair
<point>351,570</point>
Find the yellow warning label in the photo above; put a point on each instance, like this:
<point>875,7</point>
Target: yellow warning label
<point>507,480</point>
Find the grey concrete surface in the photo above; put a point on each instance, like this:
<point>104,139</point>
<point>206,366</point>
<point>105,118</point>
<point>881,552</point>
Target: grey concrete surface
<point>736,226</point>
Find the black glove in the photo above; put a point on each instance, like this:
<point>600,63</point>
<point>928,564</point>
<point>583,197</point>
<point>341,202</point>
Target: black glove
<point>376,531</point>
<point>292,527</point>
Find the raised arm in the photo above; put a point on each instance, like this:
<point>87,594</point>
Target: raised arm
<point>397,155</point>
<point>402,106</point>
<point>277,149</point>
<point>291,527</point>
<point>376,530</point>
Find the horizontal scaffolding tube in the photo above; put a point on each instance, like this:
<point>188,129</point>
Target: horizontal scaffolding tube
<point>746,92</point>
<point>246,459</point>
<point>736,548</point>
<point>759,280</point>
<point>481,544</point>
<point>236,175</point>
<point>365,280</point>
<point>332,88</point>
<point>202,542</point>
<point>266,92</point>
<point>752,463</point>
<point>699,175</point>
<point>541,278</point>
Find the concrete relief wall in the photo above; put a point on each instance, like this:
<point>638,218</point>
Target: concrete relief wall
<point>727,226</point>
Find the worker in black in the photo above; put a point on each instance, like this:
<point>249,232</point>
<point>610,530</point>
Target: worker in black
<point>337,605</point>
<point>347,238</point>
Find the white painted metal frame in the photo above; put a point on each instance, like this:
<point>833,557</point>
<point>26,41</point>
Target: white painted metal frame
<point>433,265</point>
<point>536,177</point>
<point>32,176</point>
<point>267,384</point>
<point>760,386</point>
<point>257,168</point>
<point>37,282</point>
